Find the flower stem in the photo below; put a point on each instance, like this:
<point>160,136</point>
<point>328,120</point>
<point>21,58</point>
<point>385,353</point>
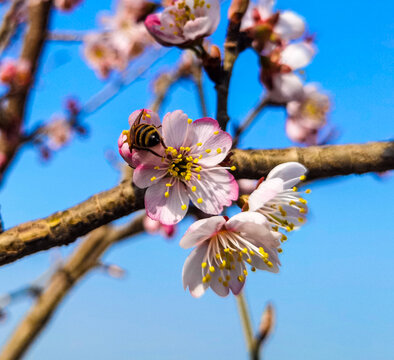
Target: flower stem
<point>245,321</point>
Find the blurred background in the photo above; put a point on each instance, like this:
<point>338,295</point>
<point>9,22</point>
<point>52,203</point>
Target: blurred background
<point>334,294</point>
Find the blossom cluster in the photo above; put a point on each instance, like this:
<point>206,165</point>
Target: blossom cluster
<point>124,37</point>
<point>225,247</point>
<point>284,48</point>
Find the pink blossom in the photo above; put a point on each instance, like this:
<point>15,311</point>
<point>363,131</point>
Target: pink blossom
<point>246,186</point>
<point>184,21</point>
<point>278,199</point>
<point>266,26</point>
<point>59,133</point>
<point>187,168</point>
<point>279,77</point>
<point>223,247</point>
<point>153,226</point>
<point>307,116</point>
<point>15,72</point>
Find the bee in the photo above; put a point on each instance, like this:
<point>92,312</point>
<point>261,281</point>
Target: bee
<point>144,136</point>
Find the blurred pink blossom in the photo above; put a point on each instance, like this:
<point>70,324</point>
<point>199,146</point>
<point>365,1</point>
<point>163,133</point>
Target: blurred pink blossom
<point>67,5</point>
<point>153,226</point>
<point>15,72</point>
<point>59,133</point>
<point>307,116</point>
<point>268,28</point>
<point>183,22</point>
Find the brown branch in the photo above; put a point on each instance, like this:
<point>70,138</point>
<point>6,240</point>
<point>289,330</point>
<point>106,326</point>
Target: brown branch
<point>84,258</point>
<point>38,18</point>
<point>9,24</point>
<point>231,50</point>
<point>66,226</point>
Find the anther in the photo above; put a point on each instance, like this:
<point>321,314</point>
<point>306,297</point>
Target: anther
<point>208,151</point>
<point>153,178</point>
<point>204,265</point>
<point>199,200</point>
<point>218,150</point>
<point>183,207</point>
<point>216,132</point>
<point>189,121</point>
<point>166,194</point>
<point>233,168</point>
<point>302,177</point>
<point>211,269</point>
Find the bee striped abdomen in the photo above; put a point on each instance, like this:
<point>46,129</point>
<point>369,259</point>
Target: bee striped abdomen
<point>146,135</point>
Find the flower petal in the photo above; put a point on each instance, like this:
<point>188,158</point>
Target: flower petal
<point>297,55</point>
<point>289,172</point>
<point>216,143</point>
<point>290,25</point>
<point>191,273</point>
<point>248,222</point>
<point>202,230</point>
<point>286,87</point>
<point>197,28</point>
<point>218,286</point>
<point>145,175</point>
<point>166,210</point>
<point>216,188</point>
<point>235,283</point>
<point>175,128</point>
<point>266,191</point>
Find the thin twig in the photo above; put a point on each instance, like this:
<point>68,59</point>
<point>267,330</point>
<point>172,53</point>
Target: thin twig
<point>72,37</point>
<point>245,320</point>
<point>99,99</point>
<point>9,24</point>
<point>265,329</point>
<point>262,104</point>
<point>84,258</point>
<point>201,95</point>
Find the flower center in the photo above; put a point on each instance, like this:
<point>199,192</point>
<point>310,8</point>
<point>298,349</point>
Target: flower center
<point>184,13</point>
<point>225,255</point>
<point>182,165</point>
<point>315,111</point>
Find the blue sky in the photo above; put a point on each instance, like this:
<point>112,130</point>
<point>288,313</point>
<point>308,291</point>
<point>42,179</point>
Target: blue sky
<point>335,289</point>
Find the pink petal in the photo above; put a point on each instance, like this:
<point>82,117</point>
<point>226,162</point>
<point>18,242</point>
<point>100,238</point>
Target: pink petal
<point>217,188</point>
<point>289,172</point>
<point>192,274</point>
<point>124,149</point>
<point>175,128</point>
<point>266,191</point>
<point>165,37</point>
<point>290,26</point>
<point>207,132</point>
<point>166,210</point>
<point>143,175</point>
<point>202,230</point>
<point>295,131</point>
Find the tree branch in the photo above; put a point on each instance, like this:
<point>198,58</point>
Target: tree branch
<point>66,226</point>
<point>84,258</point>
<point>9,25</point>
<point>231,50</point>
<point>38,18</point>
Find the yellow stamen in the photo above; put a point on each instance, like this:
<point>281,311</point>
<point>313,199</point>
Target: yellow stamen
<point>183,207</point>
<point>199,200</point>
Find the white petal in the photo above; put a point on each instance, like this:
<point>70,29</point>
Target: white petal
<point>266,191</point>
<point>289,172</point>
<point>201,230</point>
<point>234,284</point>
<point>175,128</point>
<point>297,55</point>
<point>192,274</point>
<point>145,175</point>
<point>217,286</point>
<point>290,26</point>
<point>197,28</point>
<point>286,87</point>
<point>241,222</point>
<point>166,210</point>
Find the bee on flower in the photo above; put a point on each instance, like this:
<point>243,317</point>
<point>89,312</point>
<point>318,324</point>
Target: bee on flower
<point>183,166</point>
